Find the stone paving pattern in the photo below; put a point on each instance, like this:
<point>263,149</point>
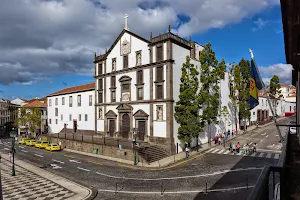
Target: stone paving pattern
<point>27,185</point>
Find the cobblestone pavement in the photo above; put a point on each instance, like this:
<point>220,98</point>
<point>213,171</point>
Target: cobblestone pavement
<point>27,185</point>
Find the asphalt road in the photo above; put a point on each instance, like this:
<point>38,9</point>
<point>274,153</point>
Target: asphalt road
<point>221,176</point>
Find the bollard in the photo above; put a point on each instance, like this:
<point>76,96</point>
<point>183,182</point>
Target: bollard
<point>206,188</point>
<point>247,182</point>
<point>116,188</point>
<point>161,189</point>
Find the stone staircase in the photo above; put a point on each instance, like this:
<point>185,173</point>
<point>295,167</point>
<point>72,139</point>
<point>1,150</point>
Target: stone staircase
<point>151,153</point>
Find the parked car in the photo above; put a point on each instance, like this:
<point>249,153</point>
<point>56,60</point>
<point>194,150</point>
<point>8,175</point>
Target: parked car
<point>53,147</point>
<point>23,141</point>
<point>30,142</point>
<point>41,144</point>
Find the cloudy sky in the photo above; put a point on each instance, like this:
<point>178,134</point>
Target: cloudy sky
<point>46,45</point>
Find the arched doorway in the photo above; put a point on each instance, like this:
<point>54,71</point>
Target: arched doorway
<point>125,125</point>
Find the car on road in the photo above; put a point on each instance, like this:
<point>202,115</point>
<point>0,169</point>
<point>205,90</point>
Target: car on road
<point>53,147</point>
<point>23,141</point>
<point>41,144</point>
<point>30,142</point>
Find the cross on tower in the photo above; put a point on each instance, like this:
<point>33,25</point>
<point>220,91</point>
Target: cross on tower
<point>126,22</point>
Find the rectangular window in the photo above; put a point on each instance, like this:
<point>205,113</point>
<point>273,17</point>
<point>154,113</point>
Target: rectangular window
<point>56,121</point>
<point>113,96</point>
<point>113,82</point>
<point>159,74</point>
<point>90,100</point>
<point>253,113</point>
<point>56,112</point>
<point>100,97</point>
<point>61,117</point>
<point>49,121</point>
<point>70,117</point>
<point>139,77</point>
<point>79,100</point>
<point>50,102</point>
<point>125,61</point>
<point>100,68</point>
<point>56,101</point>
<point>125,87</point>
<point>86,117</point>
<point>79,117</point>
<point>70,101</point>
<point>159,53</point>
<point>63,101</point>
<point>159,92</point>
<point>100,84</point>
<point>140,94</point>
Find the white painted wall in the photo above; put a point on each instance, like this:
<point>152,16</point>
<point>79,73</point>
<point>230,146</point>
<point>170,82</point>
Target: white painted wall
<point>65,110</point>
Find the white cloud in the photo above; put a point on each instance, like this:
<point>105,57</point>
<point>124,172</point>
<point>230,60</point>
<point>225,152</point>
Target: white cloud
<point>47,37</point>
<point>260,24</point>
<point>283,71</point>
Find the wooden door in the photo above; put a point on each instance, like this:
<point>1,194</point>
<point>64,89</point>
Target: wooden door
<point>125,125</point>
<point>111,127</point>
<point>258,115</point>
<point>75,126</point>
<point>142,130</point>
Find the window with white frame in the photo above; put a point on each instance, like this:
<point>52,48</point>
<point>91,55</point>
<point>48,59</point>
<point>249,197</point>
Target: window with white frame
<point>63,101</point>
<point>56,112</point>
<point>70,101</point>
<point>70,117</point>
<point>50,102</point>
<point>79,117</point>
<point>86,117</point>
<point>56,101</point>
<point>79,100</point>
<point>61,117</point>
<point>90,100</point>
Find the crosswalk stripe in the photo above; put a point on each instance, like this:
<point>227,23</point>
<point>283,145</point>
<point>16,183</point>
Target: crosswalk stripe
<point>276,156</point>
<point>261,155</point>
<point>254,154</point>
<point>216,150</point>
<point>211,150</point>
<point>227,152</point>
<point>220,152</point>
<point>269,155</point>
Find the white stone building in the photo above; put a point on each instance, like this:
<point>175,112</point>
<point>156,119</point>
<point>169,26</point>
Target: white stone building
<point>74,108</point>
<point>4,112</point>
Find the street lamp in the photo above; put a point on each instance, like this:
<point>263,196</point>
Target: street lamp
<point>13,134</point>
<point>134,132</point>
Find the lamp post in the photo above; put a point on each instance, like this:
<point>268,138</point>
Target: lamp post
<point>134,132</point>
<point>13,135</point>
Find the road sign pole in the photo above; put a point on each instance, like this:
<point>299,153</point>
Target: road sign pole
<point>13,173</point>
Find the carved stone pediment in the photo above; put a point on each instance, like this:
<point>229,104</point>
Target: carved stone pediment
<point>111,114</point>
<point>125,78</point>
<point>124,106</point>
<point>140,113</point>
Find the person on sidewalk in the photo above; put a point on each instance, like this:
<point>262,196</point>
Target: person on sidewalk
<point>230,147</point>
<point>238,147</point>
<point>233,148</point>
<point>187,152</point>
<point>232,133</point>
<point>245,149</point>
<point>228,134</point>
<point>254,147</point>
<point>219,140</point>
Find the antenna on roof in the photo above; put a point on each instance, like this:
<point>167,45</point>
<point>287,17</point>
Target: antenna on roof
<point>169,28</point>
<point>126,22</point>
<point>151,36</point>
<point>95,55</point>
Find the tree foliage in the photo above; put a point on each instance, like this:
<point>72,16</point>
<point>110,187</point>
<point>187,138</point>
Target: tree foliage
<point>275,91</point>
<point>187,108</point>
<point>212,71</point>
<point>225,115</point>
<point>30,117</point>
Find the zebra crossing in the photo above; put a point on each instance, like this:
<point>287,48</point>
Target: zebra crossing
<point>275,156</point>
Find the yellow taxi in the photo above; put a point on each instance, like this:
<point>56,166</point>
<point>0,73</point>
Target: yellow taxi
<point>30,142</point>
<point>41,144</point>
<point>23,141</point>
<point>53,147</point>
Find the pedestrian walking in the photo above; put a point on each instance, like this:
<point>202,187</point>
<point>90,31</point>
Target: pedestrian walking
<point>238,147</point>
<point>233,148</point>
<point>245,149</point>
<point>228,134</point>
<point>232,133</point>
<point>186,152</point>
<point>254,147</point>
<point>219,140</point>
<point>230,147</point>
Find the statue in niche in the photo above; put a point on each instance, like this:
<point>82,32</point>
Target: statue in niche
<point>114,65</point>
<point>100,113</point>
<point>159,113</point>
<point>125,48</point>
<point>139,59</point>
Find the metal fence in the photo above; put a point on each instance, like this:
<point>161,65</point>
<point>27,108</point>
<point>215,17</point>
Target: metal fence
<point>271,176</point>
<point>94,139</point>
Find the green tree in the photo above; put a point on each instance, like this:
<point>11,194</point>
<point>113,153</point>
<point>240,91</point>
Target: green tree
<point>22,117</point>
<point>234,82</point>
<point>225,115</point>
<point>275,92</point>
<point>34,120</point>
<point>212,71</point>
<point>187,108</point>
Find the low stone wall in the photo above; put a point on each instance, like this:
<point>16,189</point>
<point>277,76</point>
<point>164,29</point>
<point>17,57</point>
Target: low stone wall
<point>126,154</point>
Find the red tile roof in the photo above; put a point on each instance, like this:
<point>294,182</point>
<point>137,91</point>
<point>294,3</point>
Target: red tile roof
<point>79,88</point>
<point>36,103</point>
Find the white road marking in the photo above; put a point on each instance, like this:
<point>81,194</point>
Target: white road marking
<point>277,135</point>
<point>179,177</point>
<point>254,154</point>
<point>38,155</point>
<point>211,150</point>
<point>83,169</point>
<point>269,150</point>
<point>250,143</point>
<point>269,155</point>
<point>227,152</point>
<point>261,140</point>
<point>176,192</point>
<point>58,161</point>
<point>220,152</point>
<point>75,161</point>
<point>215,151</point>
<point>263,133</point>
<point>276,156</point>
<point>261,155</point>
<point>240,153</point>
<point>267,136</point>
<point>6,149</point>
<point>55,166</point>
<point>21,147</point>
<point>24,151</point>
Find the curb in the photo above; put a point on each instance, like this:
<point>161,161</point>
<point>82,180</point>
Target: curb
<point>92,192</point>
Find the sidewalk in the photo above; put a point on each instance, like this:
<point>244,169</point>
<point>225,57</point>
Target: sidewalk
<point>174,158</point>
<point>32,182</point>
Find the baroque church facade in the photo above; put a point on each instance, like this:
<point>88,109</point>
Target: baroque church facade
<point>137,85</point>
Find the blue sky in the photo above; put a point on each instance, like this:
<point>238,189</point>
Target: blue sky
<point>260,30</point>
